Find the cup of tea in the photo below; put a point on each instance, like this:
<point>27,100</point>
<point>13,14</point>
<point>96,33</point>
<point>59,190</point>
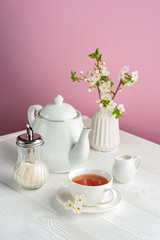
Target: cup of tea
<point>95,184</point>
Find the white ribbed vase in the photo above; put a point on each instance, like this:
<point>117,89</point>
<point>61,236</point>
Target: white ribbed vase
<point>104,135</point>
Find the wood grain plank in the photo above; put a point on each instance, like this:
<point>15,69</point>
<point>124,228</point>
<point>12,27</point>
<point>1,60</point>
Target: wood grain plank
<point>137,218</point>
<point>136,221</point>
<point>26,218</point>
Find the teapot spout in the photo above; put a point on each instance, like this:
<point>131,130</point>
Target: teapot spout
<point>81,149</point>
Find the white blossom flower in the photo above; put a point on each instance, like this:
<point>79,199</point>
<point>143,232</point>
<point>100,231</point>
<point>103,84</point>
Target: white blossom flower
<point>80,199</point>
<point>135,76</point>
<point>121,107</point>
<point>98,100</point>
<point>100,104</point>
<point>89,89</point>
<point>81,72</point>
<point>104,72</point>
<point>125,69</point>
<point>89,73</point>
<point>129,84</point>
<point>103,63</point>
<point>69,204</point>
<point>92,81</point>
<point>77,208</point>
<point>96,76</point>
<point>121,76</point>
<point>97,71</point>
<point>85,79</point>
<point>108,83</point>
<point>92,88</point>
<point>112,104</point>
<point>105,87</point>
<point>106,96</point>
<point>103,67</point>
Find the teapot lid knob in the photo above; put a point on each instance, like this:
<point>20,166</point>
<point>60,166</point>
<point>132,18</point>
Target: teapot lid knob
<point>58,100</point>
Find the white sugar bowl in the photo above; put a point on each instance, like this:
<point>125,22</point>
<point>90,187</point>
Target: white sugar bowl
<point>31,171</point>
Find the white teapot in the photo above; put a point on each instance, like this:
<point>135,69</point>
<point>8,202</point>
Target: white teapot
<point>66,139</point>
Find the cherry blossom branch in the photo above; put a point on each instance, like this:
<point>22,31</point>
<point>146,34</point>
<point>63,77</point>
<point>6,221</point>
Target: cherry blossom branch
<point>101,81</point>
<point>114,93</point>
<point>99,92</point>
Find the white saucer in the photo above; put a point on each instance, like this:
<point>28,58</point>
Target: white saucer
<point>63,195</point>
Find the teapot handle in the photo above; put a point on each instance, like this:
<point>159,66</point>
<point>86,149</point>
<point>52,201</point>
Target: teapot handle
<point>31,113</point>
<point>140,161</point>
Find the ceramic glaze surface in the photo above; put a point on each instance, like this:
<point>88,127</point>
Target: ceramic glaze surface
<point>66,142</point>
<point>59,111</point>
<point>94,194</point>
<point>63,194</point>
<point>104,135</point>
<point>125,167</point>
<point>59,138</point>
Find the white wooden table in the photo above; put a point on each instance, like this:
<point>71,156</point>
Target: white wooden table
<point>37,215</point>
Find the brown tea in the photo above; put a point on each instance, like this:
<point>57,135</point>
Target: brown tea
<point>90,180</point>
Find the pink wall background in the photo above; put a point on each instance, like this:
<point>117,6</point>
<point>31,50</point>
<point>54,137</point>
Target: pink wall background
<point>41,41</point>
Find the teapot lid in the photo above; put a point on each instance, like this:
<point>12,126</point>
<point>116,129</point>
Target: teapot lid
<point>58,111</point>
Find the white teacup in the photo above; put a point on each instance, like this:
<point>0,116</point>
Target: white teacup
<point>95,195</point>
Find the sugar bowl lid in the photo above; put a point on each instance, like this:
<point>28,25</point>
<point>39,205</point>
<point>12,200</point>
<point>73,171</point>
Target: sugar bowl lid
<point>58,111</point>
<point>29,139</point>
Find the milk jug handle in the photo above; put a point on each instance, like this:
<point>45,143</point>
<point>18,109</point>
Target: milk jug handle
<point>138,161</point>
<point>31,113</point>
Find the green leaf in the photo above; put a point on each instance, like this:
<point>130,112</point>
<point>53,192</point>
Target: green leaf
<point>99,58</point>
<point>124,82</point>
<point>105,102</point>
<point>127,78</point>
<point>97,51</point>
<point>73,73</point>
<point>104,78</point>
<point>96,65</point>
<point>92,55</point>
<point>95,54</point>
<point>75,79</point>
<point>117,113</point>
